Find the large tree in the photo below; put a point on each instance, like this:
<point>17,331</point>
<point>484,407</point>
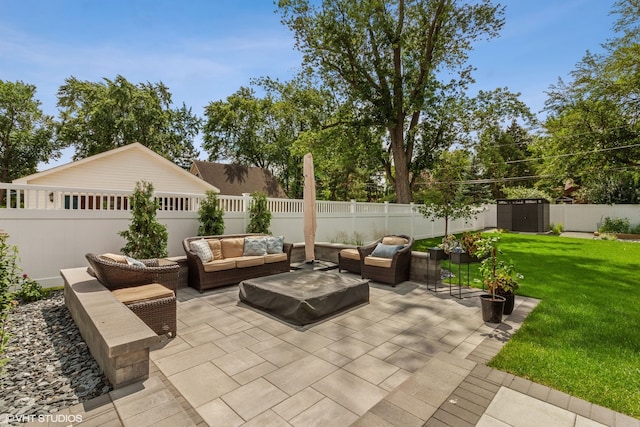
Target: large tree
<point>276,129</point>
<point>26,133</point>
<point>594,123</point>
<point>100,116</point>
<point>399,62</point>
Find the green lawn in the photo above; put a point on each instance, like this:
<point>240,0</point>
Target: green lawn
<point>584,336</point>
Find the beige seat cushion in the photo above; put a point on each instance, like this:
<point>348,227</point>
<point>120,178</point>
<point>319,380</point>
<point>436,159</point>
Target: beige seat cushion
<point>216,248</point>
<point>350,254</point>
<point>115,257</point>
<point>378,262</point>
<point>249,261</point>
<point>271,258</point>
<point>394,240</point>
<point>219,265</point>
<point>142,293</point>
<point>232,247</point>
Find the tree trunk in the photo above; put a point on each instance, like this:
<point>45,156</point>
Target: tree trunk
<point>401,163</point>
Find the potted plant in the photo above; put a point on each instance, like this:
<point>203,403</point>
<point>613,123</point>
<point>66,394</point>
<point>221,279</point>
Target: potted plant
<point>498,275</point>
<point>507,284</point>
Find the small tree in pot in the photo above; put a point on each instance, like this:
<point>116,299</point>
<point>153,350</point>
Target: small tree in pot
<point>498,275</point>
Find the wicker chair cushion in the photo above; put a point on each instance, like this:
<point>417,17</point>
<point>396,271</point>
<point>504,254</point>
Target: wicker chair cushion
<point>275,244</point>
<point>232,247</point>
<point>115,257</point>
<point>386,251</point>
<point>249,261</point>
<point>142,293</point>
<point>271,258</point>
<point>378,262</point>
<point>394,240</point>
<point>350,254</point>
<point>219,265</point>
<point>255,246</point>
<point>216,248</point>
<point>202,249</point>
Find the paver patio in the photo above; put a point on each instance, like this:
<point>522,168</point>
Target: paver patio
<point>409,357</point>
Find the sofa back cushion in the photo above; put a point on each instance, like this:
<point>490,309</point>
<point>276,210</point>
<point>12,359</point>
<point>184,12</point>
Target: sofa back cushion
<point>232,247</point>
<point>394,240</point>
<point>216,248</point>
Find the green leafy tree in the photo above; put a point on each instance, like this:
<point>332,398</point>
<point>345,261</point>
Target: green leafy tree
<point>26,133</point>
<point>259,214</point>
<point>593,128</point>
<point>146,238</point>
<point>293,118</point>
<point>449,197</point>
<point>398,64</point>
<point>100,116</point>
<point>211,215</point>
<point>504,154</point>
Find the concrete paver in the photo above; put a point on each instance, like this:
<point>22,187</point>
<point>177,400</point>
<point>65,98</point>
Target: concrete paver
<point>410,357</point>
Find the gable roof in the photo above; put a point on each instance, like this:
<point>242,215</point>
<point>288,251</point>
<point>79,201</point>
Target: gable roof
<point>120,169</point>
<point>234,180</point>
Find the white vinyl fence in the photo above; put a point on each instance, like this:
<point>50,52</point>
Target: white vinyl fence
<point>55,227</point>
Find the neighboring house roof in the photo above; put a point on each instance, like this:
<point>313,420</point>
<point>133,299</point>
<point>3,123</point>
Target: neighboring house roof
<point>234,180</point>
<point>120,169</point>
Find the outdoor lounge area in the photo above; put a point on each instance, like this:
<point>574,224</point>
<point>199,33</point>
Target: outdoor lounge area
<point>230,364</point>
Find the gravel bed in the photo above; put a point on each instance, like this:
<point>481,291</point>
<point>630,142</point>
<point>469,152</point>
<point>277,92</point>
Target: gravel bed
<point>49,367</point>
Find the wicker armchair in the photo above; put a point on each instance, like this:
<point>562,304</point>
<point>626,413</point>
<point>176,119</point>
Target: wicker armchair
<point>139,289</point>
<point>387,270</point>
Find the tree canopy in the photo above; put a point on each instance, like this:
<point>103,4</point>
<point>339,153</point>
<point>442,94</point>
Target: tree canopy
<point>26,133</point>
<point>399,63</point>
<point>593,127</point>
<point>100,116</point>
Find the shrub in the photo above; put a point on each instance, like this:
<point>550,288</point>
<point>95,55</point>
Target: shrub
<point>259,214</point>
<point>146,237</point>
<point>30,290</point>
<point>557,229</point>
<point>211,215</point>
<point>615,225</point>
<point>9,276</point>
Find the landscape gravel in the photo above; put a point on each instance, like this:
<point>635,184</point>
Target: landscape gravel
<point>49,367</point>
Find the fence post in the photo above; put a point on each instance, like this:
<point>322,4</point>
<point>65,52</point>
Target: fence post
<point>386,217</point>
<point>246,201</point>
<point>411,205</point>
<point>353,215</point>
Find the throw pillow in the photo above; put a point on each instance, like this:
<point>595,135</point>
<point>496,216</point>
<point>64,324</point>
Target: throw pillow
<point>255,246</point>
<point>275,244</point>
<point>202,249</point>
<point>386,251</point>
<point>134,262</point>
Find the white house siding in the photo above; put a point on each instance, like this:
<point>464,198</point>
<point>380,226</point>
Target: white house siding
<point>120,169</point>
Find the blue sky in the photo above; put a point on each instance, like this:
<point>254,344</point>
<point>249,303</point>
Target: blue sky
<point>206,50</point>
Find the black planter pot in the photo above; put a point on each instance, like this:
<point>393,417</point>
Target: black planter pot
<point>509,303</point>
<point>492,308</point>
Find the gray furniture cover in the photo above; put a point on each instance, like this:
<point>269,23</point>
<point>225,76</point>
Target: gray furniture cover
<point>304,296</point>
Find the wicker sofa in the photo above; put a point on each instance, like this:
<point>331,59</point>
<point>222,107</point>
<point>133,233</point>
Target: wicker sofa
<point>234,258</point>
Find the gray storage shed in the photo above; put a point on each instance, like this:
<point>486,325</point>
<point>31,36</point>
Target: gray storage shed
<point>529,215</point>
